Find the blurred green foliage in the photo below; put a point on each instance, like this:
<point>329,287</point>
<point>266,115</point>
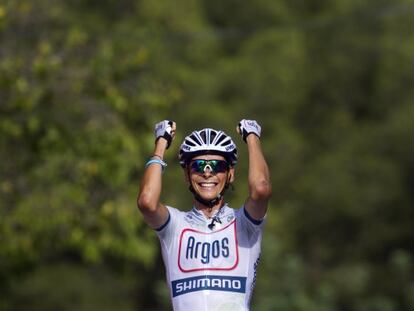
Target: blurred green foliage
<point>83,82</point>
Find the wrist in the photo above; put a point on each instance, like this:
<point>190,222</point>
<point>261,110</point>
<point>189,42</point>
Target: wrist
<point>157,156</point>
<point>160,147</point>
<point>252,137</point>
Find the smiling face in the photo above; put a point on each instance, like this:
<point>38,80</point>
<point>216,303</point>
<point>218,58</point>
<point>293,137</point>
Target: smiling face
<point>205,181</point>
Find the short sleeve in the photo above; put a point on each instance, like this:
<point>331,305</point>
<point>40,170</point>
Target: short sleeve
<point>248,224</point>
<point>167,231</point>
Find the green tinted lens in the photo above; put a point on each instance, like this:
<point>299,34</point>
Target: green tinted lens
<point>198,166</point>
<point>219,166</point>
<point>223,166</point>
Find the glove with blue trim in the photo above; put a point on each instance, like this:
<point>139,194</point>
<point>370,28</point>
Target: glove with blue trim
<point>247,127</point>
<point>165,129</point>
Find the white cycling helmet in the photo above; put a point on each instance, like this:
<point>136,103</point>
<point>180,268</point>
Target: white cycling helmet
<point>207,141</point>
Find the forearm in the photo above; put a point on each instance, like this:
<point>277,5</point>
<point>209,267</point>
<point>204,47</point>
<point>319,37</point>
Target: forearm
<point>259,176</point>
<point>151,183</point>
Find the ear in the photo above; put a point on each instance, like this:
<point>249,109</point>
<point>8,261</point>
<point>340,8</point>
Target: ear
<point>231,175</point>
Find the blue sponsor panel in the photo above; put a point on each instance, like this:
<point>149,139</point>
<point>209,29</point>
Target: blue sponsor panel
<point>209,282</point>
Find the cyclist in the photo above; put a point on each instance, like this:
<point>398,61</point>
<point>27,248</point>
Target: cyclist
<point>210,252</point>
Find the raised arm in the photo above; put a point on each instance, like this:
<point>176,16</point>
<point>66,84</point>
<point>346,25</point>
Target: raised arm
<point>260,188</point>
<point>155,213</point>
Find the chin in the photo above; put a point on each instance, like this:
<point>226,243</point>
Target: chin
<point>208,197</point>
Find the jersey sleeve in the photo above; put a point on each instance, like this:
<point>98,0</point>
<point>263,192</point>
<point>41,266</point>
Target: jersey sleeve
<point>167,231</point>
<point>248,224</point>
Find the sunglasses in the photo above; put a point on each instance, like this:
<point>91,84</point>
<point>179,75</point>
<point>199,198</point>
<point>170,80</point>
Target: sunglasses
<point>215,166</point>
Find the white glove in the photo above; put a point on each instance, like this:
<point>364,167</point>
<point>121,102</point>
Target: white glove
<point>247,127</point>
<point>164,129</point>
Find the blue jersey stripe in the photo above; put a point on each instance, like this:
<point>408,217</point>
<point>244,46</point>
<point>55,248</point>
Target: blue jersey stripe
<point>254,221</point>
<point>209,282</point>
<point>164,225</point>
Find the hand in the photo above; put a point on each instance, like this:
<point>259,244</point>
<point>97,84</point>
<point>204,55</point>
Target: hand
<point>165,129</point>
<point>247,127</point>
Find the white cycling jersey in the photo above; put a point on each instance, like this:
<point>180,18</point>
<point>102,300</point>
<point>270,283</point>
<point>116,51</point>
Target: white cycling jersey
<point>211,269</point>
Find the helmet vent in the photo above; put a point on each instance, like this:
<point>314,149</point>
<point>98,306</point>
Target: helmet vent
<point>203,136</point>
<point>220,139</point>
<point>213,135</point>
<point>190,143</point>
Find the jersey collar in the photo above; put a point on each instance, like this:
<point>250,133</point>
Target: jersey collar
<point>219,213</point>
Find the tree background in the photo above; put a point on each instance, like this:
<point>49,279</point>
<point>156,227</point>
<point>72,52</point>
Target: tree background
<point>83,82</point>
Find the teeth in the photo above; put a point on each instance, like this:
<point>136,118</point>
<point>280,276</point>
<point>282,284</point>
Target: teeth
<point>207,184</point>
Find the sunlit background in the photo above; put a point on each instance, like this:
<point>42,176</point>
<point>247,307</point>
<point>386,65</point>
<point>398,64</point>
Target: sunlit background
<point>83,82</point>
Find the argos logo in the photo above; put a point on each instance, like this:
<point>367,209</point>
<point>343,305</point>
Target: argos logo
<point>207,250</point>
<point>215,250</point>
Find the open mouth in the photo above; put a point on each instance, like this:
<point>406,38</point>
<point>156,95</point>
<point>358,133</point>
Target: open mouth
<point>207,185</point>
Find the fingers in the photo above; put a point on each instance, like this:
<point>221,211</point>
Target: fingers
<point>173,129</point>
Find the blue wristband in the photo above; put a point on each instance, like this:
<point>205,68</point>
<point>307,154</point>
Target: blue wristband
<point>158,161</point>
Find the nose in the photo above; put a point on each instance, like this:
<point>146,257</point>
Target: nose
<point>207,170</point>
